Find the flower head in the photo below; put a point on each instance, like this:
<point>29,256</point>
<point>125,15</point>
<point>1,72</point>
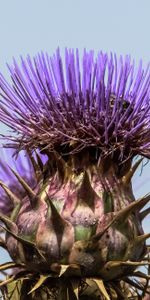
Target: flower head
<point>80,217</point>
<point>100,102</point>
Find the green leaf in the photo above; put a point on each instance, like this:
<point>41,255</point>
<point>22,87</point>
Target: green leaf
<point>70,292</point>
<point>9,265</point>
<point>14,289</point>
<point>70,270</point>
<point>63,269</point>
<point>31,245</point>
<point>83,233</point>
<point>8,280</point>
<point>108,202</point>
<point>101,286</point>
<point>66,291</point>
<point>39,283</point>
<point>113,294</point>
<point>75,286</point>
<point>62,295</point>
<point>15,212</point>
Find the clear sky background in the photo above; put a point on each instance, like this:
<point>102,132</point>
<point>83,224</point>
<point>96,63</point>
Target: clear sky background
<point>121,26</point>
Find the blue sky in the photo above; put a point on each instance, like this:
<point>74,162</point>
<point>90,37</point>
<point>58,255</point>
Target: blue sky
<point>109,25</point>
<point>32,25</point>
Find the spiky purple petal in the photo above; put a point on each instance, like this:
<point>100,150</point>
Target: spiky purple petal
<point>101,101</point>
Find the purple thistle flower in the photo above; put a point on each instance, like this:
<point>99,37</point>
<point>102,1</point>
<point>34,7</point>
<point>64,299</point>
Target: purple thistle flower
<point>75,104</point>
<point>90,117</point>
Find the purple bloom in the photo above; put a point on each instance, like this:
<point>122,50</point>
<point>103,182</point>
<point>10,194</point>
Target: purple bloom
<point>100,102</point>
<point>90,117</point>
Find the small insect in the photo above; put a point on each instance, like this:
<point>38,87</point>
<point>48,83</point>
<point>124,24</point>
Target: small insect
<point>120,102</point>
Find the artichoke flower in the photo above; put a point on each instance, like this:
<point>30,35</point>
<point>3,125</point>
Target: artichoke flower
<point>73,227</point>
